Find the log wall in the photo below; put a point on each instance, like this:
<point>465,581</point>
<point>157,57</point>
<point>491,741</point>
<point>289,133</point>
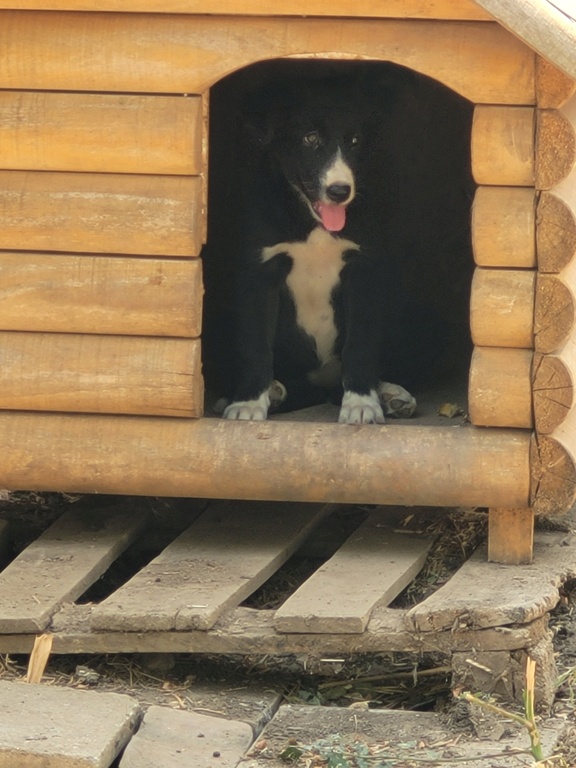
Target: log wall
<point>103,201</point>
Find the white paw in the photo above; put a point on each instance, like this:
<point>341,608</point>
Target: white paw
<point>361,409</point>
<point>396,401</point>
<point>248,410</point>
<point>277,393</point>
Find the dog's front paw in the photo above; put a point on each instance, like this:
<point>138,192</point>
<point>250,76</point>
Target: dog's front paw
<point>248,410</point>
<point>361,409</point>
<point>396,401</point>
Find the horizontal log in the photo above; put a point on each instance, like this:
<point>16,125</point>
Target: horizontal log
<point>555,309</point>
<point>186,54</point>
<point>503,146</point>
<point>502,308</point>
<point>100,132</point>
<point>101,213</point>
<point>503,226</point>
<point>100,374</point>
<point>555,148</point>
<point>215,458</point>
<point>553,391</point>
<point>553,87</point>
<point>499,389</point>
<point>80,293</point>
<point>553,467</point>
<point>556,233</point>
<point>403,9</point>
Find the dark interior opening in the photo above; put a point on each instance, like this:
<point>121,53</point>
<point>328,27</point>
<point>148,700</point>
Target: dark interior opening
<point>428,143</point>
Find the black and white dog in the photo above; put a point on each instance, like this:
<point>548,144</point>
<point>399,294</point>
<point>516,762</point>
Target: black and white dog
<point>319,266</point>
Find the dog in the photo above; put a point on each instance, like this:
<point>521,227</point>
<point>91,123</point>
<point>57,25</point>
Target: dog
<point>321,302</point>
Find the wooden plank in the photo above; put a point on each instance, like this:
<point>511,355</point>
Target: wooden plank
<point>500,391</point>
<point>138,53</point>
<point>503,225</point>
<point>101,213</point>
<point>107,133</point>
<point>225,555</point>
<point>510,536</point>
<point>371,568</point>
<point>60,565</point>
<point>482,594</point>
<point>403,9</point>
<point>294,461</point>
<point>542,25</point>
<point>100,374</point>
<point>502,308</point>
<point>503,146</point>
<point>81,293</point>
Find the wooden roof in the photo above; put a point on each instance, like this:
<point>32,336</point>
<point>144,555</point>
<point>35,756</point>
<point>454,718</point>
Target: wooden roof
<point>547,26</point>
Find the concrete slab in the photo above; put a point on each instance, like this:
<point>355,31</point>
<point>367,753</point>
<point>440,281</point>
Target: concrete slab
<point>393,736</point>
<point>51,727</point>
<point>175,739</point>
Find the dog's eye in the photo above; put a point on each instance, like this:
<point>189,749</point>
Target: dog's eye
<point>312,139</point>
<point>354,139</point>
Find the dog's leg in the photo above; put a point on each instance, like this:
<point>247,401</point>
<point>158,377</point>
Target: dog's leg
<point>257,309</point>
<point>395,400</point>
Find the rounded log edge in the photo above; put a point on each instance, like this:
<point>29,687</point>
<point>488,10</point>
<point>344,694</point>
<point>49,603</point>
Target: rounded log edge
<point>292,461</point>
<point>553,476</point>
<point>554,313</point>
<point>555,148</point>
<point>553,392</point>
<point>555,233</point>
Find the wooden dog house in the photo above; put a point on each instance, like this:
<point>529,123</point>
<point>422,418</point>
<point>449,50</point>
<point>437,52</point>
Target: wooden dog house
<point>103,188</point>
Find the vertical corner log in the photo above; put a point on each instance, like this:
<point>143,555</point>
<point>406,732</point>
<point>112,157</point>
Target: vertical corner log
<point>555,148</point>
<point>500,393</point>
<point>503,145</point>
<point>555,233</point>
<point>503,223</point>
<point>511,536</point>
<point>553,472</point>
<point>553,87</point>
<point>553,392</point>
<point>502,308</point>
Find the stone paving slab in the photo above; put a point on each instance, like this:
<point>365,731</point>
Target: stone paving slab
<point>176,739</point>
<point>52,727</point>
<point>395,735</point>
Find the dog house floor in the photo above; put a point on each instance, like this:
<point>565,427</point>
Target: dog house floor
<point>196,592</point>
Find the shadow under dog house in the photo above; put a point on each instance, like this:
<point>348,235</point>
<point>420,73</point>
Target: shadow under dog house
<point>103,197</point>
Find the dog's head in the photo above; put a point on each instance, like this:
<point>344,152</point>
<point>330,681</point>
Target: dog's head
<point>313,131</point>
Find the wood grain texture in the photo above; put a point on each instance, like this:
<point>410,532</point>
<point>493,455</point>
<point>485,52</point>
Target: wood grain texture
<point>225,555</point>
<point>81,293</point>
<point>101,213</point>
<point>503,146</point>
<point>511,536</point>
<point>404,9</point>
<point>107,133</point>
<point>213,458</point>
<point>503,226</point>
<point>502,308</point>
<point>556,233</point>
<point>63,562</point>
<point>553,469</point>
<point>555,148</point>
<point>185,54</point>
<point>553,87</point>
<point>100,374</point>
<point>553,392</point>
<point>555,309</point>
<point>371,568</point>
<point>500,393</point>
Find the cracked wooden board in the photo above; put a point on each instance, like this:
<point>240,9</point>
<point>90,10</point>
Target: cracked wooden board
<point>371,568</point>
<point>222,558</point>
<point>62,563</point>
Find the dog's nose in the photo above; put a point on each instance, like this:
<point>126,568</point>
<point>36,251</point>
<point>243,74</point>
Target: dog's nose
<point>338,193</point>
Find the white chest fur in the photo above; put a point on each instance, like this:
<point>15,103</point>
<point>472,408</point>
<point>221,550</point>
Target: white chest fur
<point>316,267</point>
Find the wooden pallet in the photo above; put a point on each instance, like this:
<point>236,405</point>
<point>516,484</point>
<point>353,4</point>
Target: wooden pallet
<point>188,598</point>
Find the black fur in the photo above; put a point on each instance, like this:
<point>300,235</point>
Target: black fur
<point>291,129</point>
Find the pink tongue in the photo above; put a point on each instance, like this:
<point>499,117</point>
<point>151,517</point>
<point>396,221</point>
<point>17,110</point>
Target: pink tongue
<point>333,216</point>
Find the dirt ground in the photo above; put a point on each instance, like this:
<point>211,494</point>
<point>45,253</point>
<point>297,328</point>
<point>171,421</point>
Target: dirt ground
<point>221,684</point>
